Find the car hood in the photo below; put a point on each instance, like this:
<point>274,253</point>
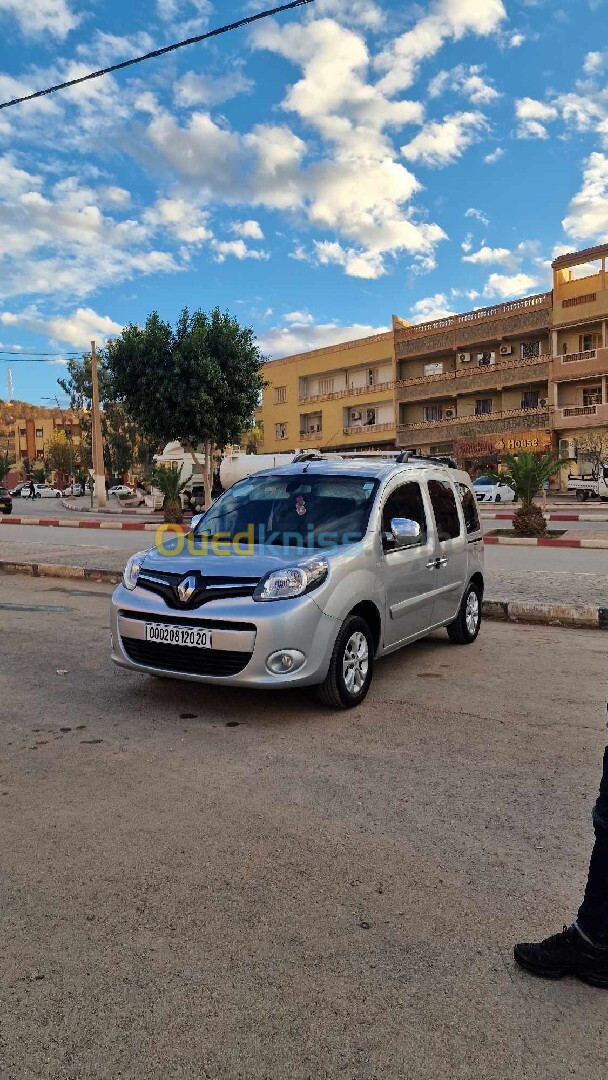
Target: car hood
<point>251,566</point>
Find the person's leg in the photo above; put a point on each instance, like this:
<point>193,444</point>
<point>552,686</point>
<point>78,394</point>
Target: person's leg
<point>581,949</point>
<point>592,918</point>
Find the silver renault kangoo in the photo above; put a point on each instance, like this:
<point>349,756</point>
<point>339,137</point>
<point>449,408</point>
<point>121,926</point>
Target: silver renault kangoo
<point>305,575</point>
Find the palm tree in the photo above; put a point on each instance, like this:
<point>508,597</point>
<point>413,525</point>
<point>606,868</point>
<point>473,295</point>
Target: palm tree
<point>170,484</point>
<point>527,473</point>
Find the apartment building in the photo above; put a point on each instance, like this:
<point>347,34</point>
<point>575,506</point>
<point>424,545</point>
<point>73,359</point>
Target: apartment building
<point>579,375</point>
<point>31,434</point>
<point>337,398</point>
<point>476,384</point>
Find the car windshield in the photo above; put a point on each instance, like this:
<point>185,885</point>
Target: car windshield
<point>306,511</point>
<point>484,481</point>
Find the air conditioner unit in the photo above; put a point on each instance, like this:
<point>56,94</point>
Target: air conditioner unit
<point>355,414</point>
<point>567,449</point>
<point>464,357</point>
<point>450,414</point>
<point>506,350</point>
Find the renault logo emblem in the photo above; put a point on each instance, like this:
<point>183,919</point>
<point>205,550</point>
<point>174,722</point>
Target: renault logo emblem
<point>186,588</point>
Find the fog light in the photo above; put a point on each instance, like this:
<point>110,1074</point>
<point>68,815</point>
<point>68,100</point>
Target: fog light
<point>285,661</point>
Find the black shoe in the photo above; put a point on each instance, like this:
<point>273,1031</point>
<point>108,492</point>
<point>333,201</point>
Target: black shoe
<point>568,953</point>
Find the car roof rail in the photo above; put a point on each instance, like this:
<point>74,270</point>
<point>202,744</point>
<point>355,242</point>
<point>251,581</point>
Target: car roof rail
<point>406,456</point>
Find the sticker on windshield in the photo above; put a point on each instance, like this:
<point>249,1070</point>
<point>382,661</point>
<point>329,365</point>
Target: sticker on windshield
<point>300,506</point>
<point>367,488</point>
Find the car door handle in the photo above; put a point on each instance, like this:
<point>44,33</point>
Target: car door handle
<point>431,564</point>
<point>442,561</point>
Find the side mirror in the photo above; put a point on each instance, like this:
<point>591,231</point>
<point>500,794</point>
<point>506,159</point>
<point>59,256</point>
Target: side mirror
<point>196,520</point>
<point>405,532</point>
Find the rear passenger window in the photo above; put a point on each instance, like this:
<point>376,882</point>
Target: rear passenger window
<point>405,502</point>
<point>445,510</point>
<point>469,508</point>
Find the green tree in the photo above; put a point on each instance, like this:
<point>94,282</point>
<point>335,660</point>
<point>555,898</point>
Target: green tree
<point>6,464</point>
<point>199,383</point>
<point>527,473</point>
<point>170,484</point>
<point>119,434</point>
<point>58,453</point>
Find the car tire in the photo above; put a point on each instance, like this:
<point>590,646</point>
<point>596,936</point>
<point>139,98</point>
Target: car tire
<point>467,623</point>
<point>351,666</point>
<point>581,496</point>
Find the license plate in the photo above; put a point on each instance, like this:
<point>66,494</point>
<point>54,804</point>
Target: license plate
<point>178,635</point>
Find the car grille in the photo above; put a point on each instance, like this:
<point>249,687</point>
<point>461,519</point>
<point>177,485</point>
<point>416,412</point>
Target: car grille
<point>186,661</point>
<point>165,584</point>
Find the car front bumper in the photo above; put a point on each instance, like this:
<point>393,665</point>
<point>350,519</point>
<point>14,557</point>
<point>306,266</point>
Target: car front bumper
<point>244,633</point>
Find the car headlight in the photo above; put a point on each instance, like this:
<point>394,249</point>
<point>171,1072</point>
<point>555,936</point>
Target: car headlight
<point>293,581</point>
<point>131,571</point>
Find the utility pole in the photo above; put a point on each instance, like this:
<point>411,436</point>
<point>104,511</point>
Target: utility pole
<point>98,466</point>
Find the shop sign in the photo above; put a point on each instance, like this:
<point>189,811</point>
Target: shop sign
<point>524,440</point>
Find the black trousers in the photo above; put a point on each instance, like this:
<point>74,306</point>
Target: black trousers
<point>593,914</point>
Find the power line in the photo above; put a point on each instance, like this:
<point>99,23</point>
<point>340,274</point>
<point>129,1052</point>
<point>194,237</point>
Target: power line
<point>33,357</point>
<point>158,52</point>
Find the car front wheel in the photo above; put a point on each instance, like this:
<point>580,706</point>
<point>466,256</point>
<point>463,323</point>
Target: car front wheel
<point>351,666</point>
<point>465,627</point>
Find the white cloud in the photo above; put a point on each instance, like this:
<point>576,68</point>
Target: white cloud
<point>595,62</point>
<point>532,116</point>
<point>250,230</point>
<point>467,80</point>
<point>505,286</point>
<point>193,89</point>
<point>478,215</point>
<point>467,243</point>
<point>38,17</point>
<point>587,217</point>
<point>490,256</point>
<point>442,142</point>
<point>185,16</point>
<point>516,39</point>
<point>182,217</point>
<point>302,337</point>
<point>363,13</point>
<point>107,48</point>
<point>445,20</point>
<point>301,318</point>
<point>430,308</point>
<point>237,249</point>
<point>494,156</point>
<point>78,329</point>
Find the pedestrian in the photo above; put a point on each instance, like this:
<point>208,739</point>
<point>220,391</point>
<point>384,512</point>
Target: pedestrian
<point>32,490</point>
<point>582,948</point>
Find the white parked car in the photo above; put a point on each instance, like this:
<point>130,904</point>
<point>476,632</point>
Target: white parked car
<point>120,489</point>
<point>73,490</point>
<point>43,491</point>
<point>488,490</point>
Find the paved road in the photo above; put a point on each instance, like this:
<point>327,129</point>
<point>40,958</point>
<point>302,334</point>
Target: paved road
<point>306,895</point>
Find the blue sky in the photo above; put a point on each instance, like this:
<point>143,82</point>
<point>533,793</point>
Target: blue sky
<point>313,174</point>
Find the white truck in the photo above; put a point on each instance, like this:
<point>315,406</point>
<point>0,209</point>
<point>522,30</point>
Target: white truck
<point>591,486</point>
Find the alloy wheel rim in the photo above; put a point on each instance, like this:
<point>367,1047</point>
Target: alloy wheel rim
<point>355,662</point>
<point>472,611</point>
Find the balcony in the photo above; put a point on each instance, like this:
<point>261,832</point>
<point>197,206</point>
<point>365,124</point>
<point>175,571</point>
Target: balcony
<point>570,417</point>
<point>353,391</point>
<point>531,314</point>
<point>368,429</point>
<point>511,420</point>
<point>311,437</point>
<point>467,380</point>
<point>580,365</point>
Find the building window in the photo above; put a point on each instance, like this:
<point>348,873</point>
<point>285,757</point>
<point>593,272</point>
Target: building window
<point>586,342</point>
<point>39,433</point>
<point>432,412</point>
<point>592,395</point>
<point>22,433</point>
<point>326,386</point>
<point>529,349</point>
<point>371,376</point>
<point>484,359</point>
<point>280,431</point>
<point>530,399</point>
<point>39,455</point>
<point>369,417</point>
<point>433,369</point>
<point>280,395</point>
<point>483,406</point>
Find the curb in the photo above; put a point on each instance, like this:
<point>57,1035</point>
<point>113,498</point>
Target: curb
<point>65,523</point>
<point>547,541</point>
<point>134,511</point>
<point>585,617</point>
<point>548,517</point>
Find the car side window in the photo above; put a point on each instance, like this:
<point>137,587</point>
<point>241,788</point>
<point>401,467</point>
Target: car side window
<point>445,510</point>
<point>405,502</point>
<point>469,508</point>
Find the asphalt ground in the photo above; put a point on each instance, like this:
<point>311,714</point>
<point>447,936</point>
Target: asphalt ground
<point>208,883</point>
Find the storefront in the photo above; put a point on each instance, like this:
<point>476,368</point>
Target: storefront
<point>477,455</point>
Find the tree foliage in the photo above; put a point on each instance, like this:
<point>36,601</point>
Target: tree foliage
<point>527,473</point>
<point>593,447</point>
<point>170,484</point>
<point>57,453</point>
<point>119,434</point>
<point>6,464</point>
<point>199,382</point>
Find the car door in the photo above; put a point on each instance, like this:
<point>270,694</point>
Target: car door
<point>450,548</point>
<point>409,572</point>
